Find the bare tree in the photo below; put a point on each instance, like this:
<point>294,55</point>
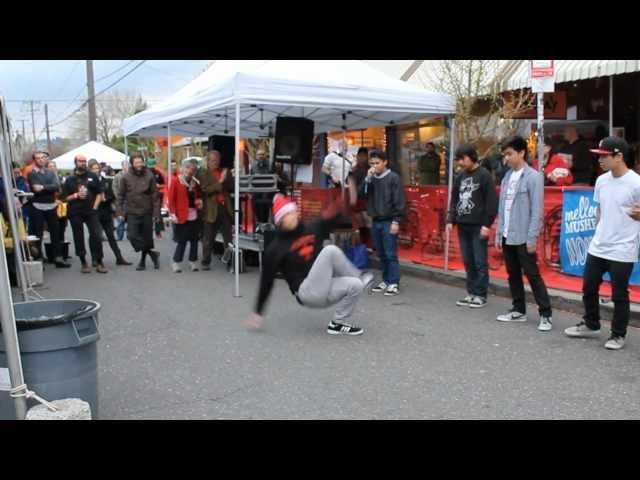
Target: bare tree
<point>111,109</point>
<point>483,111</point>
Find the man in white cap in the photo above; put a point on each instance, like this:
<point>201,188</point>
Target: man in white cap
<point>318,277</point>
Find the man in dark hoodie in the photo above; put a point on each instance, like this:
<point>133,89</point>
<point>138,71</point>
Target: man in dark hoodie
<point>82,192</point>
<point>318,277</point>
<point>386,204</point>
<point>44,184</point>
<point>137,199</point>
<point>474,206</point>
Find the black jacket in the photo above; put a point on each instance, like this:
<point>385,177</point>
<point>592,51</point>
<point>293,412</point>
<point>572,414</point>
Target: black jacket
<point>583,161</point>
<point>72,185</point>
<point>385,196</point>
<point>293,254</point>
<point>473,198</point>
<point>49,180</point>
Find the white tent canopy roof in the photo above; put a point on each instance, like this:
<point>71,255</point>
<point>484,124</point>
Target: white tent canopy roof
<point>322,90</point>
<point>96,150</point>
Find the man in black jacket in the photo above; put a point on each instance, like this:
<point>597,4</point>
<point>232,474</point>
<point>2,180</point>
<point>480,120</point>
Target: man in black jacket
<point>583,162</point>
<point>83,193</point>
<point>318,277</point>
<point>386,205</point>
<point>106,210</point>
<point>44,184</point>
<point>474,206</point>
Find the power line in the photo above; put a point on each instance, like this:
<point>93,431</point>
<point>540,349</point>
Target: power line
<point>116,70</point>
<point>121,78</point>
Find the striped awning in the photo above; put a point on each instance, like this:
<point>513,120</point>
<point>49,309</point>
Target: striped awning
<point>516,72</point>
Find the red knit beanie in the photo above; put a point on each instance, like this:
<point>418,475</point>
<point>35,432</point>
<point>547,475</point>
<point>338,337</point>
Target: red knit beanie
<point>281,207</point>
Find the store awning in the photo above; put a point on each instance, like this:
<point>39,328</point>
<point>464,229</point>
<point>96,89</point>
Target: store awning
<point>516,73</point>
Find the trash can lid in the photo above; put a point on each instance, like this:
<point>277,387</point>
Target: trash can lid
<point>42,317</point>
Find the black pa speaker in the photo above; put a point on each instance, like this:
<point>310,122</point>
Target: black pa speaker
<point>226,145</point>
<point>294,140</point>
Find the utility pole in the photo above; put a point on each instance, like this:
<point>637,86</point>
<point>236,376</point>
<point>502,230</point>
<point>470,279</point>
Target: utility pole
<point>93,135</point>
<point>33,127</point>
<point>46,119</point>
<point>24,136</point>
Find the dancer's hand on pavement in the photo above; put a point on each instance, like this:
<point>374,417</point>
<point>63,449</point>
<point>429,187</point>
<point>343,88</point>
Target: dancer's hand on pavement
<point>254,322</point>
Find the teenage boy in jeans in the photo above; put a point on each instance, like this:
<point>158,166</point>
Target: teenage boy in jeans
<point>473,208</point>
<point>520,221</point>
<point>385,206</point>
<point>614,247</point>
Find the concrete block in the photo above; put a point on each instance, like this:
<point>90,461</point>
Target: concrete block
<point>68,409</point>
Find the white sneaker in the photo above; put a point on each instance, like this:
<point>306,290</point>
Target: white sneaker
<point>478,302</point>
<point>176,267</point>
<point>194,266</point>
<point>512,316</point>
<point>545,324</point>
<point>581,331</point>
<point>614,343</point>
<point>464,302</point>
<point>392,290</point>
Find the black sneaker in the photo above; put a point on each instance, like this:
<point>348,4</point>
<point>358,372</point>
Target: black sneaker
<point>335,328</point>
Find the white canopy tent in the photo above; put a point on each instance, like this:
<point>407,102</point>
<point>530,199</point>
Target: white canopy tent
<point>336,95</point>
<point>96,150</point>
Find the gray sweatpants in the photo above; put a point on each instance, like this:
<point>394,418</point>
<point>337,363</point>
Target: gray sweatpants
<point>332,280</point>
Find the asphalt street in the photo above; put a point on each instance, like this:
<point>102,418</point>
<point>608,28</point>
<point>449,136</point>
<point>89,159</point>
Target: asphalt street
<point>172,347</point>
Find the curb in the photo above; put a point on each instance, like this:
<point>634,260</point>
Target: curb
<point>560,299</point>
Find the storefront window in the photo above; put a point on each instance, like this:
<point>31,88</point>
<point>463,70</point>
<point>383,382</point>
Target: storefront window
<point>418,163</point>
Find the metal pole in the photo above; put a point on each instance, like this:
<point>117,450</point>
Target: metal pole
<point>452,145</point>
<point>611,105</point>
<point>93,135</point>
<point>11,346</point>
<point>126,148</point>
<point>7,172</point>
<point>540,131</point>
<point>46,120</point>
<point>169,152</point>
<point>7,315</point>
<point>236,206</point>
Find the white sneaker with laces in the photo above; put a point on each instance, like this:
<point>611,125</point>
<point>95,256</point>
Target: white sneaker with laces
<point>581,331</point>
<point>614,343</point>
<point>512,316</point>
<point>478,302</point>
<point>545,324</point>
<point>464,302</point>
<point>194,266</point>
<point>392,290</point>
<point>176,267</point>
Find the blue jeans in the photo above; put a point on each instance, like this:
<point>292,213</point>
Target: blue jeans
<point>387,248</point>
<point>474,254</point>
<point>120,229</point>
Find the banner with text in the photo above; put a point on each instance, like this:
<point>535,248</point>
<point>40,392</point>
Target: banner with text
<point>578,228</point>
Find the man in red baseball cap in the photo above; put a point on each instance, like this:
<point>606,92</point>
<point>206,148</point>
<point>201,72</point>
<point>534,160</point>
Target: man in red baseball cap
<point>615,245</point>
<point>318,277</point>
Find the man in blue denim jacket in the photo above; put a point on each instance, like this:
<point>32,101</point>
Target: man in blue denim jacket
<point>520,215</point>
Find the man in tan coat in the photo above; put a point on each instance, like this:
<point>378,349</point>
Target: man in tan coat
<point>217,212</point>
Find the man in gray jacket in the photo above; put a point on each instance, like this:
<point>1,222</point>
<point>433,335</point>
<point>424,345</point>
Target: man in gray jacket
<point>520,221</point>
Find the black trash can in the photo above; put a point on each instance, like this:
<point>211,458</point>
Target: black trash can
<point>58,352</point>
